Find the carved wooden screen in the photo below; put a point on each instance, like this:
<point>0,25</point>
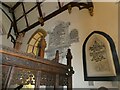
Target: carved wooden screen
<point>21,70</point>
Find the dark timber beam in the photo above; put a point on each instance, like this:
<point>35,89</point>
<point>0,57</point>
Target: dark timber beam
<point>73,4</point>
<point>5,5</point>
<point>25,15</point>
<point>40,14</point>
<point>6,15</point>
<point>16,5</point>
<point>27,12</point>
<point>14,23</point>
<point>39,9</point>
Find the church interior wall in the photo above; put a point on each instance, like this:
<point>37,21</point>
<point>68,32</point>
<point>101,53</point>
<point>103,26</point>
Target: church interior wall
<point>105,19</point>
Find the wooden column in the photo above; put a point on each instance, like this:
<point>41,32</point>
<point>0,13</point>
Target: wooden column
<point>56,59</point>
<point>19,40</point>
<point>42,46</point>
<point>8,78</point>
<point>69,57</point>
<point>56,82</point>
<point>37,82</point>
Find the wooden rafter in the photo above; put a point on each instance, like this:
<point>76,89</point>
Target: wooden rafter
<point>40,14</point>
<point>39,9</point>
<point>25,15</point>
<point>26,12</point>
<point>73,4</point>
<point>80,5</point>
<point>16,5</point>
<point>11,10</point>
<point>5,5</point>
<point>7,15</point>
<point>14,23</point>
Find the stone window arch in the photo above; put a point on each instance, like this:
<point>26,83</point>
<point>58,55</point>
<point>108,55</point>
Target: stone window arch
<point>34,41</point>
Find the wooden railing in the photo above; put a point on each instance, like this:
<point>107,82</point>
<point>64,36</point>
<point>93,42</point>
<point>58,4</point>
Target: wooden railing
<point>20,68</point>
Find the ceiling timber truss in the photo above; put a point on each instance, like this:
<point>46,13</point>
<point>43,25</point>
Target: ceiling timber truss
<point>42,18</point>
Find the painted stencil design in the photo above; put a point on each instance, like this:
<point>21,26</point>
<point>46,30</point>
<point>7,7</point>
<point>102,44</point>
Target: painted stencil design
<point>98,55</point>
<point>61,39</point>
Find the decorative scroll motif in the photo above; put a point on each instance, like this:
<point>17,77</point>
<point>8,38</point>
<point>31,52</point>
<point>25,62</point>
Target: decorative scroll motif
<point>98,54</point>
<point>63,80</point>
<point>23,76</point>
<point>98,51</point>
<point>47,79</point>
<point>91,11</point>
<point>61,39</point>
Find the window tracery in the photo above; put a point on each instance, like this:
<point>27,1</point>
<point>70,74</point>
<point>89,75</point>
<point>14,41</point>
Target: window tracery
<point>33,42</point>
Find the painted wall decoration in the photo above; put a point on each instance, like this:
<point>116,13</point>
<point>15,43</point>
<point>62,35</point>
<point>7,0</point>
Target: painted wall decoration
<point>98,55</point>
<point>100,59</point>
<point>61,39</point>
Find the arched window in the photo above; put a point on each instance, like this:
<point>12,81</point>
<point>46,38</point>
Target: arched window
<point>34,41</point>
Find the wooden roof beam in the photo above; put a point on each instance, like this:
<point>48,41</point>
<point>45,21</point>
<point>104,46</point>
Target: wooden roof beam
<point>40,14</point>
<point>73,4</point>
<point>5,5</point>
<point>16,5</point>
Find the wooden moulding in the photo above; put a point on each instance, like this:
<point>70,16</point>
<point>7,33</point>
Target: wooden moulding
<point>17,60</point>
<point>46,72</point>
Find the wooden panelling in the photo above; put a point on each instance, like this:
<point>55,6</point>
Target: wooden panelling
<point>23,69</point>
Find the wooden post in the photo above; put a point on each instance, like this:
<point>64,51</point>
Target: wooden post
<point>56,59</point>
<point>37,82</point>
<point>56,82</point>
<point>69,57</point>
<point>9,78</point>
<point>19,40</point>
<point>42,46</point>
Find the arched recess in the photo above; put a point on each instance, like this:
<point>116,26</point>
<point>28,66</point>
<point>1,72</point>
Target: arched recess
<point>100,60</point>
<point>34,41</point>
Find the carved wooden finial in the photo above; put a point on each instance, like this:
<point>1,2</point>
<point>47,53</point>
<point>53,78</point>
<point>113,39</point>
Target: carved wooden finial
<point>56,59</point>
<point>69,8</point>
<point>69,57</point>
<point>91,11</point>
<point>41,20</point>
<point>57,56</point>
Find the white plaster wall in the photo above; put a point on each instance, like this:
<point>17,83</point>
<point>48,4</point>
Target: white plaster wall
<point>104,19</point>
<point>106,14</point>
